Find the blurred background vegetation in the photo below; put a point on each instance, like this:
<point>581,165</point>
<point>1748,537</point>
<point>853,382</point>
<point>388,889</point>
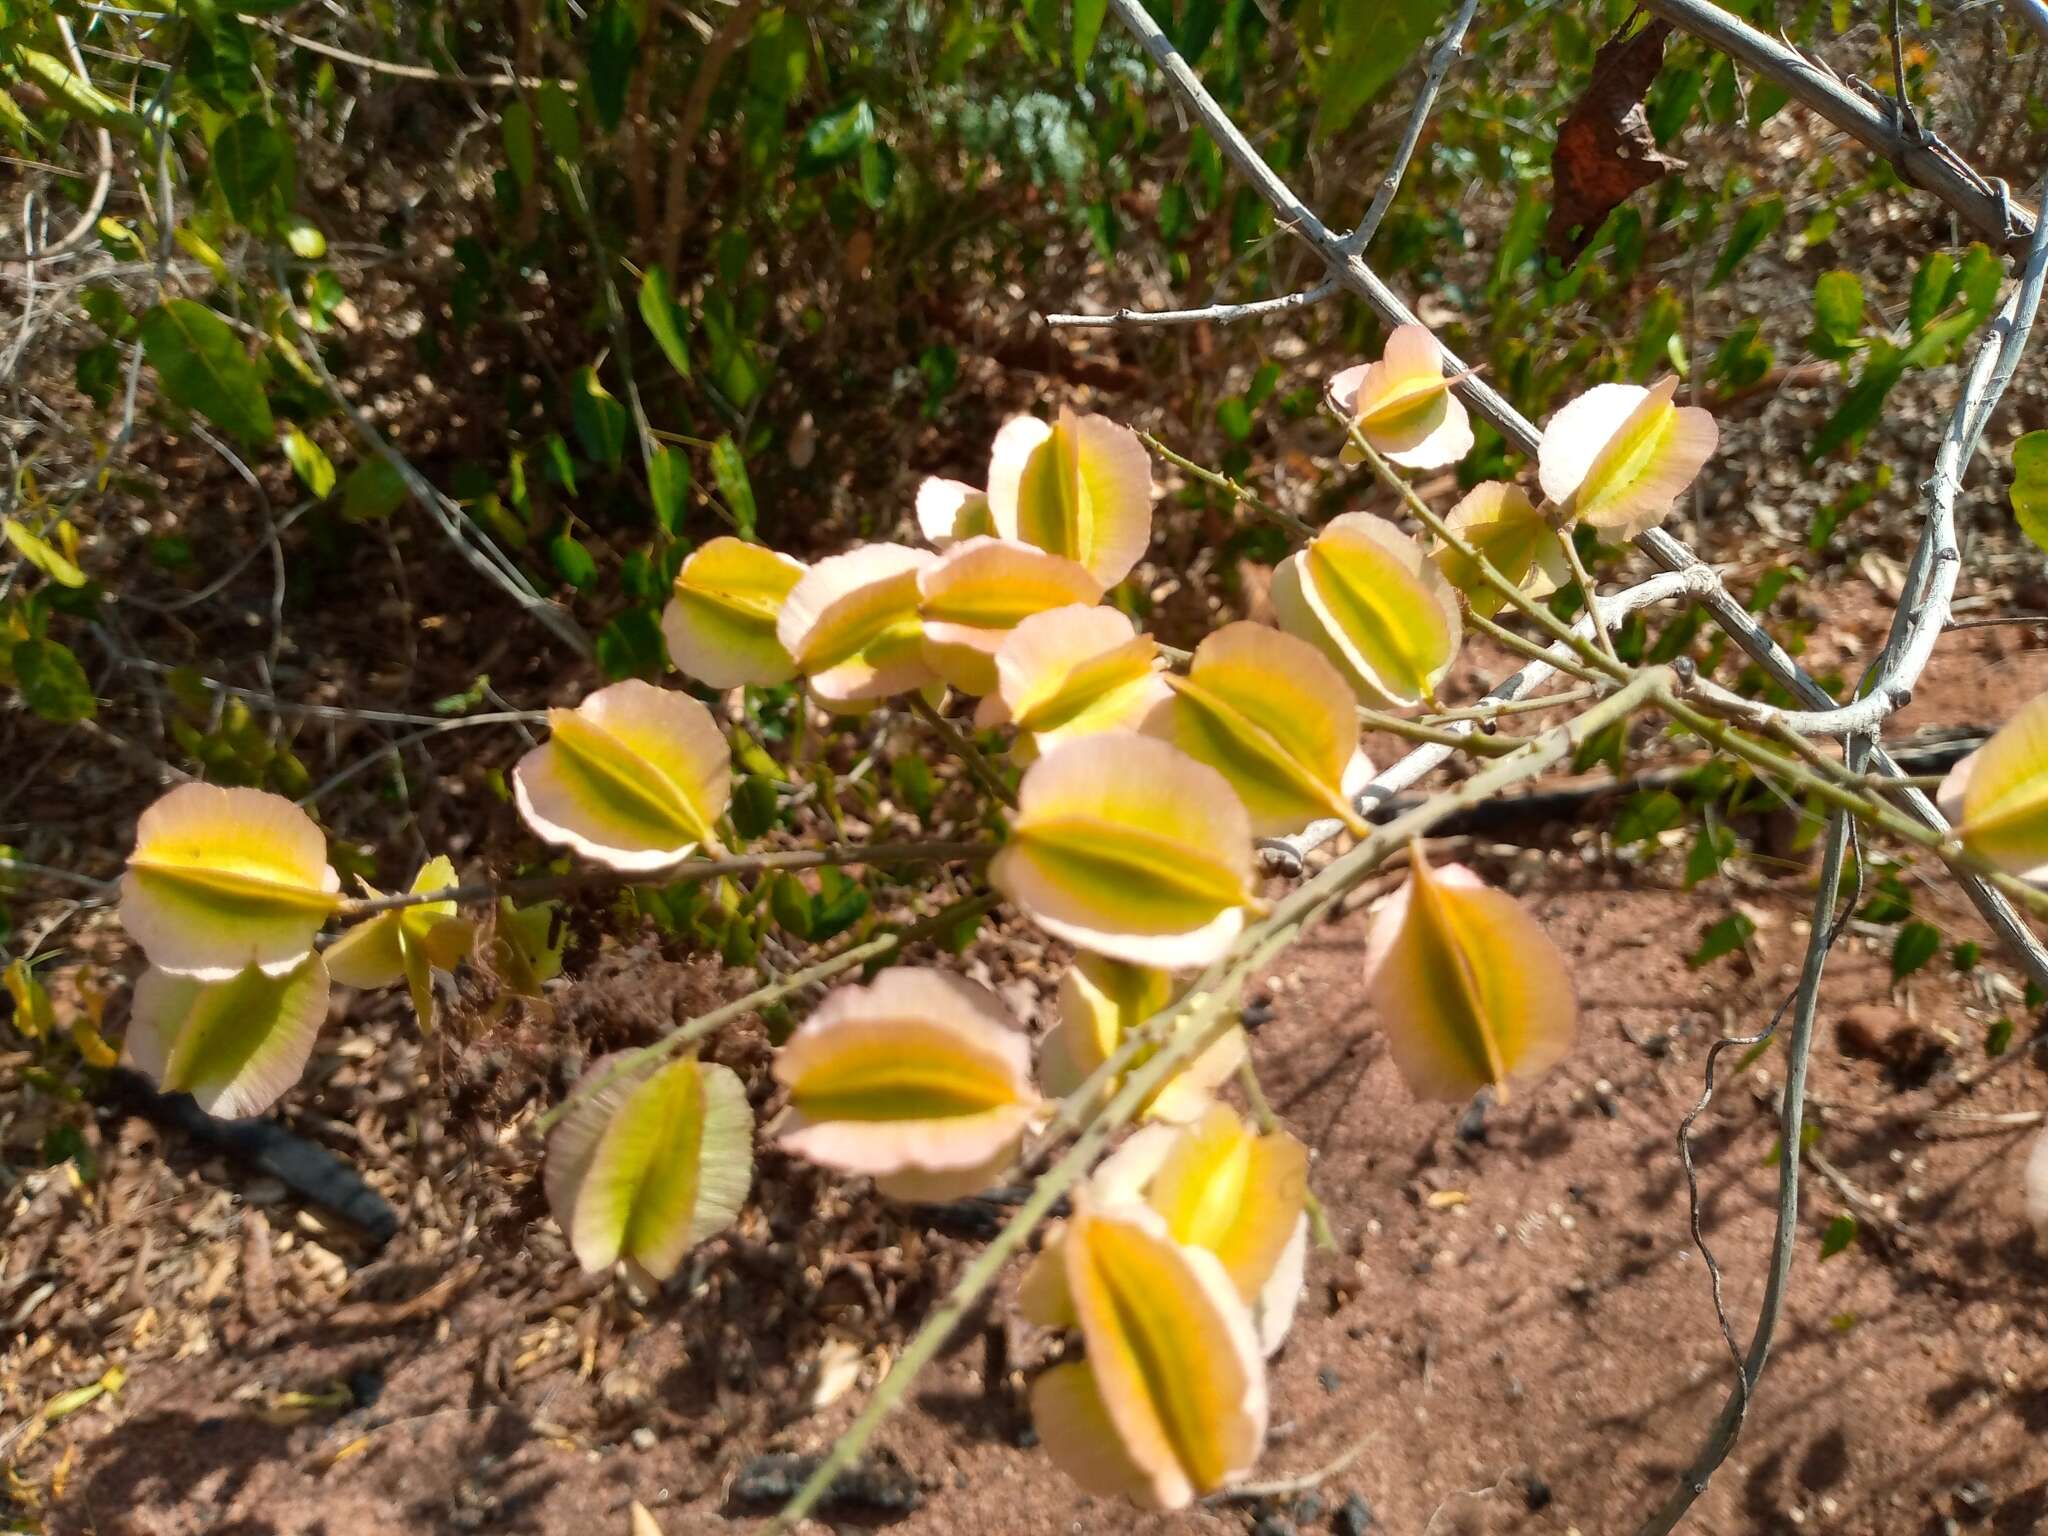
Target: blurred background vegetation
<point>367,372</point>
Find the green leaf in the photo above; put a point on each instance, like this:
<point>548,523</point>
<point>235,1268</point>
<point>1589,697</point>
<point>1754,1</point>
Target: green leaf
<point>97,373</point>
<point>1998,1038</point>
<point>754,806</point>
<point>1646,814</point>
<point>1932,285</point>
<point>559,125</point>
<point>572,561</point>
<point>309,462</point>
<point>373,491</point>
<point>2030,486</point>
<point>1883,366</point>
<point>1978,281</point>
<point>52,682</point>
<point>251,165</point>
<point>910,779</point>
<point>1727,936</point>
<point>791,903</point>
<point>75,95</point>
<point>1758,220</point>
<point>1966,955</point>
<point>611,45</point>
<point>515,127</point>
<point>665,321</point>
<point>1088,16</point>
<point>201,366</point>
<point>1840,1234</point>
<point>306,240</point>
<point>1712,847</point>
<point>835,136</point>
<point>1744,359</point>
<point>877,174</point>
<point>1837,314</point>
<point>841,902</point>
<point>729,469</point>
<point>668,485</point>
<point>1369,45</point>
<point>631,645</point>
<point>1913,946</point>
<point>600,419</point>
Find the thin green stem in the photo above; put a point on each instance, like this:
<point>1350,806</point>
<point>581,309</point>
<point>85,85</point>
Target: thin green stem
<point>1229,487</point>
<point>1568,697</point>
<point>1584,578</point>
<point>1530,649</point>
<point>963,748</point>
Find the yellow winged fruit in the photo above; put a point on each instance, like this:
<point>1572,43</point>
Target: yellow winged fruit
<point>1170,1403</point>
<point>1277,719</point>
<point>1470,990</point>
<point>1367,596</point>
<point>223,879</point>
<point>406,944</point>
<point>1500,522</point>
<point>1403,403</point>
<point>1997,797</point>
<point>949,510</point>
<point>1127,847</point>
<point>974,596</point>
<point>1219,1185</point>
<point>655,1157</point>
<point>1617,457</point>
<point>236,1045</point>
<point>1073,672</point>
<point>1079,486</point>
<point>920,1080</point>
<point>720,620</point>
<point>1102,1002</point>
<point>852,627</point>
<point>635,778</point>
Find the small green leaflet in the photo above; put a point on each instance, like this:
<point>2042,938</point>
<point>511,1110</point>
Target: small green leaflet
<point>2030,486</point>
<point>1840,1234</point>
<point>611,42</point>
<point>1998,1038</point>
<point>251,165</point>
<point>835,136</point>
<point>373,491</point>
<point>664,320</point>
<point>1837,314</point>
<point>1727,936</point>
<point>515,125</point>
<point>201,366</point>
<point>668,484</point>
<point>572,561</point>
<point>1913,946</point>
<point>1088,16</point>
<point>1758,220</point>
<point>600,419</point>
<point>51,681</point>
<point>729,469</point>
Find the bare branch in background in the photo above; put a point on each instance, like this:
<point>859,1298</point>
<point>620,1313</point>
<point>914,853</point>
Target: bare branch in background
<point>1921,157</point>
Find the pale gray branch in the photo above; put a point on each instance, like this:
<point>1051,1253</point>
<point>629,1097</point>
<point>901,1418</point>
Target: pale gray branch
<point>1920,156</point>
<point>1217,314</point>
